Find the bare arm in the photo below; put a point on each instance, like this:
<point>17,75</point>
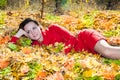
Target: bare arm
<point>106,50</point>
<point>20,33</point>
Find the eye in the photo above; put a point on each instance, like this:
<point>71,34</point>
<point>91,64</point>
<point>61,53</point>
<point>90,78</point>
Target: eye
<point>34,28</point>
<point>28,32</point>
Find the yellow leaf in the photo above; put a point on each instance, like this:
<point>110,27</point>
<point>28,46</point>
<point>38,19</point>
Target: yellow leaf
<point>88,73</point>
<point>87,0</point>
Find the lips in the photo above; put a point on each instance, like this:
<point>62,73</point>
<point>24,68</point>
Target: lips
<point>36,37</point>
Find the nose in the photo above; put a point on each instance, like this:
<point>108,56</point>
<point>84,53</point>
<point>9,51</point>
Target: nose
<point>33,33</point>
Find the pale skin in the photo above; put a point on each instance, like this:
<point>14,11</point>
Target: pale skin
<point>32,31</point>
<point>106,50</point>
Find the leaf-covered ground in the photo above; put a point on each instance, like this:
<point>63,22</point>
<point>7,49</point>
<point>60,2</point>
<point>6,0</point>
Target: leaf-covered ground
<point>27,62</point>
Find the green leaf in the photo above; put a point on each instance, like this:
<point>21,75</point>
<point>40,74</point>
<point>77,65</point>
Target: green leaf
<point>111,33</point>
<point>34,68</point>
<point>3,3</point>
<point>80,77</point>
<point>63,2</point>
<point>23,41</point>
<point>5,71</point>
<point>116,62</point>
<point>28,42</point>
<point>53,18</point>
<point>77,68</point>
<point>109,61</point>
<point>95,78</point>
<point>14,32</point>
<point>13,47</point>
<point>59,47</point>
<point>117,77</point>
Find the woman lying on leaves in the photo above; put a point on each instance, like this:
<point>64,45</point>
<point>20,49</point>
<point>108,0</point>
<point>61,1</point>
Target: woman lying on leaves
<point>87,39</point>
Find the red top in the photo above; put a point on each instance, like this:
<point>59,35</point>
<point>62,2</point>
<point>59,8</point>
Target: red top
<point>86,39</point>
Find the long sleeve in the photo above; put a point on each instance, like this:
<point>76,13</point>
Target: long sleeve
<point>14,39</point>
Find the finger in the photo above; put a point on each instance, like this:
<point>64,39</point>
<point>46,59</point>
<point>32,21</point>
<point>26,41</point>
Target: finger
<point>26,34</point>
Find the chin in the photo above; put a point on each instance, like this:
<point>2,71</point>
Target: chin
<point>36,38</point>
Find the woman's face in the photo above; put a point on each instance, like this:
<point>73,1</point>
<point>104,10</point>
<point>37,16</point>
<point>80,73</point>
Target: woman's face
<point>33,31</point>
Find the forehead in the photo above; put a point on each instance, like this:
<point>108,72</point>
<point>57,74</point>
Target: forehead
<point>29,25</point>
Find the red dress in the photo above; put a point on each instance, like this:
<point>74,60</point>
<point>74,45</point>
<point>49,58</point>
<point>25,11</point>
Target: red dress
<point>85,40</point>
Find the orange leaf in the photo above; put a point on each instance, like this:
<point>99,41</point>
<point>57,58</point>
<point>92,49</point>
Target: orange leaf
<point>4,63</point>
<point>4,39</point>
<point>109,75</point>
<point>69,64</point>
<point>27,50</point>
<point>41,75</point>
<point>114,40</point>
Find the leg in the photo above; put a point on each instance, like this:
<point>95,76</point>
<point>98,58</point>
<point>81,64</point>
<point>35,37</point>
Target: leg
<point>106,50</point>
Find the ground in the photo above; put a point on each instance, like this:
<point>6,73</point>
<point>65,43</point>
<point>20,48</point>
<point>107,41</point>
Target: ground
<point>25,62</point>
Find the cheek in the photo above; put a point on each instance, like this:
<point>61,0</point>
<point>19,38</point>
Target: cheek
<point>40,33</point>
<point>36,31</point>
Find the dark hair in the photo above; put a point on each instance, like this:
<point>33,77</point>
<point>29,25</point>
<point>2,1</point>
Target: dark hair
<point>27,20</point>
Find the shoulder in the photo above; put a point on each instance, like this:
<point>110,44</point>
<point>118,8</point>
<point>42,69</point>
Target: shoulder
<point>54,26</point>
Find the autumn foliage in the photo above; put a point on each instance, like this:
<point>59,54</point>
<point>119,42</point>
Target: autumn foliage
<point>25,62</point>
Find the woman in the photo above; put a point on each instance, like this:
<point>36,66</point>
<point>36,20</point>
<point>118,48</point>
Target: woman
<point>87,39</point>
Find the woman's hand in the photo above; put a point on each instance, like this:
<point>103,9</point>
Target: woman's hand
<point>20,33</point>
